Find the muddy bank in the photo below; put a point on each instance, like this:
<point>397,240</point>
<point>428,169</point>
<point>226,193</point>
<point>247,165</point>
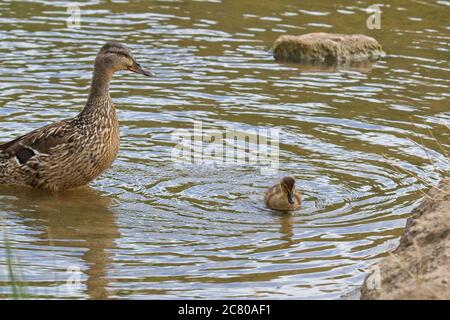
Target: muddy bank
<point>420,266</point>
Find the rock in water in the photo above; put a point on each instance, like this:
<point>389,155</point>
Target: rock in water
<point>327,48</point>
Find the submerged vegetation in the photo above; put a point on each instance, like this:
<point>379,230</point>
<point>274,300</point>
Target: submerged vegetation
<point>14,278</point>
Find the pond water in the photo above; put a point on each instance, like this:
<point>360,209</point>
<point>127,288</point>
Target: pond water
<point>362,144</point>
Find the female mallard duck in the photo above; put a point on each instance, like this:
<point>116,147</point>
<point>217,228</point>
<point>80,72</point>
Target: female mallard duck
<point>283,195</point>
<point>71,153</point>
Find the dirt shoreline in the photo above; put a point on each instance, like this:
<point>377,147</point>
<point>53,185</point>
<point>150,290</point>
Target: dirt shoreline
<point>419,268</point>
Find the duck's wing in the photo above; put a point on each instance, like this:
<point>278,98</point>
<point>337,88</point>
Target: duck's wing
<point>273,190</point>
<point>39,141</point>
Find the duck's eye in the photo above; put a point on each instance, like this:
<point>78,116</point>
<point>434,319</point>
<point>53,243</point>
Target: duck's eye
<point>120,54</point>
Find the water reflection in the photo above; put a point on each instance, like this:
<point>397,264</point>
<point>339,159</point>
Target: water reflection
<point>82,220</point>
<point>354,66</point>
<point>286,227</point>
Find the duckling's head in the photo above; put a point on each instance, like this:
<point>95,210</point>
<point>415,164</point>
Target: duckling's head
<point>288,186</point>
<point>115,56</point>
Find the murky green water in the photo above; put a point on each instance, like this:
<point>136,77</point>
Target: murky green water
<point>150,229</point>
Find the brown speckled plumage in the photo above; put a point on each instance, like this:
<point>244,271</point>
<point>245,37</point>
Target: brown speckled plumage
<point>72,152</point>
<point>283,196</point>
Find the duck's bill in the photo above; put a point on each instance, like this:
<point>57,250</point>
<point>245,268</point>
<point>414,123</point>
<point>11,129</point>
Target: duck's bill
<point>137,68</point>
<point>290,198</point>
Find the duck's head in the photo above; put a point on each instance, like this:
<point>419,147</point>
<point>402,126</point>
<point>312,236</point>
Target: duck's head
<point>115,56</point>
<point>288,186</point>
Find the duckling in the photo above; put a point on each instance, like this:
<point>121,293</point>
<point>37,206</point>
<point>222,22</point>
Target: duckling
<point>72,152</point>
<point>283,195</point>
